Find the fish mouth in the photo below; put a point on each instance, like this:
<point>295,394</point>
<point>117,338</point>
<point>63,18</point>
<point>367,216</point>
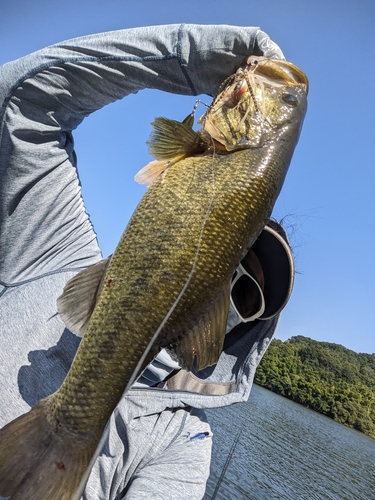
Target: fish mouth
<point>272,72</point>
<point>239,116</point>
<point>276,71</point>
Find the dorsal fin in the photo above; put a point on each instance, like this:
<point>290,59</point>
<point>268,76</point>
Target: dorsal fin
<point>170,138</point>
<point>170,141</point>
<point>205,340</point>
<point>76,304</point>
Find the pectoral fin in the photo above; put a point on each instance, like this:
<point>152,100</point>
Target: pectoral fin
<point>147,175</point>
<point>205,339</point>
<point>78,299</point>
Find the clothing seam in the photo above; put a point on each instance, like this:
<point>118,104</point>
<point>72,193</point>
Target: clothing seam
<point>183,65</point>
<point>66,60</point>
<point>254,41</point>
<point>7,286</point>
<point>180,429</point>
<point>261,352</point>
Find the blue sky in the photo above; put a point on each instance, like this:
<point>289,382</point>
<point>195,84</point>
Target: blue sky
<point>328,198</point>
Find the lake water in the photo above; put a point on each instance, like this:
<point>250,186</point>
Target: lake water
<point>286,451</point>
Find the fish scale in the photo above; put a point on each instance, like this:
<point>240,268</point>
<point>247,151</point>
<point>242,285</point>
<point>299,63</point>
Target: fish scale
<point>112,333</point>
<point>173,264</point>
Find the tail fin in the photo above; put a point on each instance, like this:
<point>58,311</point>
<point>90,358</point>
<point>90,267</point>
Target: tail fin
<point>38,461</point>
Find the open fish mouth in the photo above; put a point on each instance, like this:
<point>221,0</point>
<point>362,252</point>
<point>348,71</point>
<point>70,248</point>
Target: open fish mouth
<point>211,195</point>
<point>276,71</point>
<point>246,106</point>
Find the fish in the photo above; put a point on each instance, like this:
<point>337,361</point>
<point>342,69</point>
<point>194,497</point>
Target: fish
<point>167,284</point>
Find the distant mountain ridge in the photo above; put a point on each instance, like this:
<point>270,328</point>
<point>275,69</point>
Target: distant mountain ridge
<point>326,377</point>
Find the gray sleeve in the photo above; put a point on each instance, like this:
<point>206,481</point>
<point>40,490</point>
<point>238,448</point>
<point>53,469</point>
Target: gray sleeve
<point>43,223</point>
<point>180,471</point>
<point>160,456</point>
<point>46,95</point>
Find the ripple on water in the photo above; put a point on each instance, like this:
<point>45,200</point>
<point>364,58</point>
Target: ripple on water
<point>288,452</point>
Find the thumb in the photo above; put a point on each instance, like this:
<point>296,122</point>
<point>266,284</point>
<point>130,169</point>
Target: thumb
<point>267,47</point>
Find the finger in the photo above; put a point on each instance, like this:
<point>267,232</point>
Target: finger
<point>267,47</point>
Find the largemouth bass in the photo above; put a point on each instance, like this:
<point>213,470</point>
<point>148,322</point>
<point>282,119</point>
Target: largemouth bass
<point>168,281</point>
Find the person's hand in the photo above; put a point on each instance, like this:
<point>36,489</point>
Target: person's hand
<point>267,47</point>
<point>209,54</point>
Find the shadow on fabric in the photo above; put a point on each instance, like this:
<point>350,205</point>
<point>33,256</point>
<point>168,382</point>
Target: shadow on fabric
<point>47,368</point>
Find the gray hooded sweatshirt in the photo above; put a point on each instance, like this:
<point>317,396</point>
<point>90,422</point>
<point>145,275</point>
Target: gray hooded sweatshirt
<point>159,443</point>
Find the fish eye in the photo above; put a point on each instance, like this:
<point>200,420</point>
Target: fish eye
<point>290,99</point>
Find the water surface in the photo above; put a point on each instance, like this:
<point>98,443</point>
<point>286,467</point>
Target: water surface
<point>286,451</point>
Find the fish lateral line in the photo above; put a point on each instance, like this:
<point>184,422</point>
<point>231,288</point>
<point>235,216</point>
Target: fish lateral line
<point>38,463</point>
<point>79,491</point>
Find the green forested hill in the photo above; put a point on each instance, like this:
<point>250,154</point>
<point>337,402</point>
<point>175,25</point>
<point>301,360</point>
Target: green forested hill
<point>325,377</point>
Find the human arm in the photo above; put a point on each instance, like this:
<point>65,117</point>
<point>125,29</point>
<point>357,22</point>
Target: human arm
<point>46,95</point>
<point>44,227</point>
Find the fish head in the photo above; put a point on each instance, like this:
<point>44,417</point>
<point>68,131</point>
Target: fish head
<point>251,107</point>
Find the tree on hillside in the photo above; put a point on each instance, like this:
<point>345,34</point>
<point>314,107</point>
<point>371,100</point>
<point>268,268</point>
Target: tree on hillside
<point>325,377</point>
